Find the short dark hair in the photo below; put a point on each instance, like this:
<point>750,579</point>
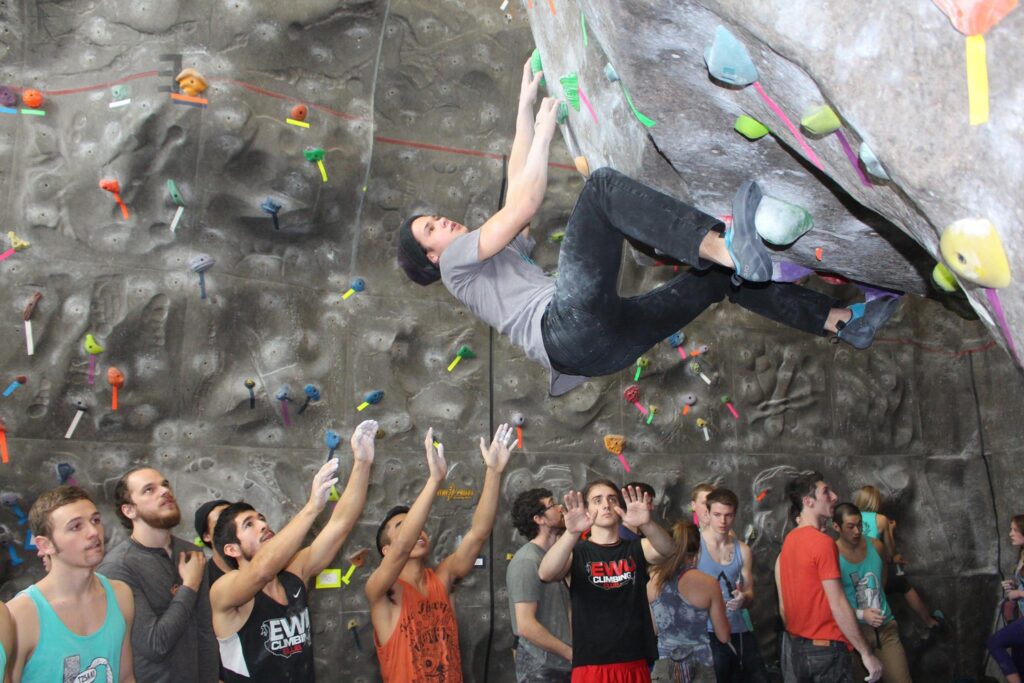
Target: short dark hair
<point>600,482</point>
<point>39,521</point>
<point>226,529</point>
<point>412,258</point>
<point>122,496</point>
<point>393,512</point>
<point>797,489</point>
<point>644,488</point>
<point>528,505</point>
<point>723,496</point>
<point>845,510</point>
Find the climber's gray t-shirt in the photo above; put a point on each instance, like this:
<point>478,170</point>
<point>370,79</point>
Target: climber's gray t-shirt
<point>509,292</point>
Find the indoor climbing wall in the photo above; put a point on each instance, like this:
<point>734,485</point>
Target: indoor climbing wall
<point>203,198</point>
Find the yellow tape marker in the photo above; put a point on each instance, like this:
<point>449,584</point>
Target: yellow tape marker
<point>323,170</point>
<point>300,124</point>
<point>329,578</point>
<point>977,79</point>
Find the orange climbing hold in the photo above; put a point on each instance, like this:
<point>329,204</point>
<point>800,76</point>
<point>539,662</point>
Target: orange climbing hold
<point>32,98</point>
<point>819,253</point>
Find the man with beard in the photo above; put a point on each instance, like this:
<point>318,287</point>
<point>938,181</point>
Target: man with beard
<point>539,611</point>
<point>74,624</point>
<point>172,638</point>
<point>260,607</point>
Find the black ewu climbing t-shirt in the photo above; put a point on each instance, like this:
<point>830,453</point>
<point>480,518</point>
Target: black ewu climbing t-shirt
<point>611,621</point>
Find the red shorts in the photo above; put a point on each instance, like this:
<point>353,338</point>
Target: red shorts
<point>636,671</point>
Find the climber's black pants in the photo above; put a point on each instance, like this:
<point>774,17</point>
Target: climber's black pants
<point>590,330</point>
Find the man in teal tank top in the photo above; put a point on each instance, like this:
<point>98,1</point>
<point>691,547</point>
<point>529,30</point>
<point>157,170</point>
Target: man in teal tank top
<point>862,571</point>
<point>73,625</point>
<point>6,644</point>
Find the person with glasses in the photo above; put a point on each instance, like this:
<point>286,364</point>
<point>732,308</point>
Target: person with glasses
<point>539,611</point>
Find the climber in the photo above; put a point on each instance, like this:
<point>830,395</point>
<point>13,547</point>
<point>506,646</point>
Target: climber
<point>577,325</point>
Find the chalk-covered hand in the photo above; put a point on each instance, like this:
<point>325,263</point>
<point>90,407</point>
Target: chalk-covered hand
<point>435,458</point>
<point>363,439</point>
<point>322,483</point>
<point>638,507</point>
<point>577,519</point>
<point>547,117</point>
<point>497,454</point>
<point>528,89</point>
<point>737,601</point>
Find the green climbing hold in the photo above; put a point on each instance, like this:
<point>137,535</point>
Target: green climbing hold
<point>650,123</point>
<point>750,128</point>
<point>821,121</point>
<point>571,89</point>
<point>313,154</point>
<point>172,189</point>
<point>943,278</point>
<point>535,66</point>
<point>781,223</point>
<point>557,236</point>
<point>563,113</point>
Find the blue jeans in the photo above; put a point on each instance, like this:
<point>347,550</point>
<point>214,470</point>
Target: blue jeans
<point>590,330</point>
<point>820,663</point>
<point>745,666</point>
<point>1007,647</point>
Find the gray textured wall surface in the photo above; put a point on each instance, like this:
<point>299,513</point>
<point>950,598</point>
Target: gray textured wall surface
<point>414,104</point>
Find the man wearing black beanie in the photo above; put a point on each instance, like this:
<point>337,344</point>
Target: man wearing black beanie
<point>578,326</point>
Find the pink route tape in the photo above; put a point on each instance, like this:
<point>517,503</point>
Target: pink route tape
<point>854,161</point>
<point>811,156</point>
<point>583,98</point>
<point>997,308</point>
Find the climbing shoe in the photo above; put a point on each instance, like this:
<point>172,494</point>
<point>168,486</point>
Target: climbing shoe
<point>860,331</point>
<point>750,256</point>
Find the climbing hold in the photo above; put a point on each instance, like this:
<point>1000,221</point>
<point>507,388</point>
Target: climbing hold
<point>677,340</point>
<point>781,223</point>
<point>32,98</point>
<point>114,187</point>
<point>728,61</point>
<point>250,384</point>
<point>727,402</point>
<point>191,82</point>
<point>26,316</point>
<point>172,189</point>
<point>632,395</point>
<point>312,393</point>
<point>120,92</point>
<point>943,278</point>
<point>463,352</point>
<point>571,89</point>
<point>614,444</point>
<point>582,166</point>
<point>19,381</point>
<point>535,66</point>
<point>316,154</point>
<point>821,121</point>
<point>80,409</point>
<point>5,456</point>
<point>357,285</point>
<point>369,399</point>
<point>557,236</point>
<point>696,369</point>
<point>7,97</point>
<point>93,349</point>
<point>641,363</point>
<point>972,249</point>
<point>613,77</point>
<point>871,162</point>
<point>269,206</point>
<point>116,380</point>
<point>563,113</point>
<point>17,244</point>
<point>702,424</point>
<point>819,253</point>
<point>284,395</point>
<point>519,420</point>
<point>299,112</point>
<point>611,74</point>
<point>750,128</point>
<point>333,440</point>
<point>65,470</point>
<point>200,263</point>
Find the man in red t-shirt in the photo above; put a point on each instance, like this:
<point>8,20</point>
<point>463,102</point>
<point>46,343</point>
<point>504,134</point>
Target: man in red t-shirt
<point>819,620</point>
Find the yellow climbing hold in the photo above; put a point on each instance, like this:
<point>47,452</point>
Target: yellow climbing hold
<point>972,249</point>
<point>17,244</point>
<point>91,345</point>
<point>750,128</point>
<point>943,278</point>
<point>583,166</point>
<point>821,121</point>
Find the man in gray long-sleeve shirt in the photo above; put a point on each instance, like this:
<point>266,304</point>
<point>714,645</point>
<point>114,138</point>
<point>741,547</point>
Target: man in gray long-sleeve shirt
<point>172,636</point>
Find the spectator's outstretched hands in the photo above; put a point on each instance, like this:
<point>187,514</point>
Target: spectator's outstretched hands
<point>577,519</point>
<point>363,441</point>
<point>638,507</point>
<point>435,458</point>
<point>497,455</point>
<point>322,483</point>
<point>528,89</point>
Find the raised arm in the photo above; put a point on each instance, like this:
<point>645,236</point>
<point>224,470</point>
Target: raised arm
<point>657,544</point>
<point>385,575</point>
<point>314,559</point>
<point>525,191</point>
<point>236,588</point>
<point>496,456</point>
<point>847,622</point>
<point>558,559</point>
<point>524,121</point>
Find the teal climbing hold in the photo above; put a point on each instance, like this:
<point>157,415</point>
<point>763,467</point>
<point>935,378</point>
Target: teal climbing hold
<point>871,162</point>
<point>563,113</point>
<point>728,60</point>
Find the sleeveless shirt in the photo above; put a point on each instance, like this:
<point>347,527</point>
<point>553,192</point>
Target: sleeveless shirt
<point>682,632</point>
<point>275,645</point>
<point>862,582</point>
<point>728,577</point>
<point>869,524</point>
<point>63,655</point>
<point>425,643</point>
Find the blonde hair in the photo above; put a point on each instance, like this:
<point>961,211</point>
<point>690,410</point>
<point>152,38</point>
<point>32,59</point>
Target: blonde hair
<point>687,539</point>
<point>868,498</point>
<point>700,488</point>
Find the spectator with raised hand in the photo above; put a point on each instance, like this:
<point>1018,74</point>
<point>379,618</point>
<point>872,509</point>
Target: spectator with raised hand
<point>414,627</point>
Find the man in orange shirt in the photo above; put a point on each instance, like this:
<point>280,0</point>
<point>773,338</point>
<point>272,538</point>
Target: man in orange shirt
<point>820,622</point>
<point>414,626</point>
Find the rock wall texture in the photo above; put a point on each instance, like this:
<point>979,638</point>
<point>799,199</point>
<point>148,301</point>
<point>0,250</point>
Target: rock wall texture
<point>413,105</point>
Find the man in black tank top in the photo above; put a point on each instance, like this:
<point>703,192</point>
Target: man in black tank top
<point>260,607</point>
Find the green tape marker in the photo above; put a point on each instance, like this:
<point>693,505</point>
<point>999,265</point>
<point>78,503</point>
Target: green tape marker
<point>639,117</point>
<point>583,25</point>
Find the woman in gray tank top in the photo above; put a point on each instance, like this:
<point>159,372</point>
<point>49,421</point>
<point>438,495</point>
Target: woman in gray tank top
<point>681,602</point>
